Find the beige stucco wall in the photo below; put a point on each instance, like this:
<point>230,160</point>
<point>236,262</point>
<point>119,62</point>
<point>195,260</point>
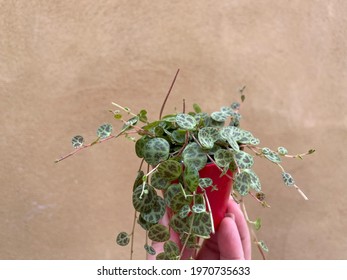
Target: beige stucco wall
<point>63,62</point>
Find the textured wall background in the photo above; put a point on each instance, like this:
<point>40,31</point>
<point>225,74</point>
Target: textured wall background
<point>63,62</point>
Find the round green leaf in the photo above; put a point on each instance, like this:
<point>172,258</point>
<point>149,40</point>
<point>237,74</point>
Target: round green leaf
<point>223,158</point>
<point>263,246</point>
<point>156,150</point>
<point>171,191</point>
<point>243,160</point>
<point>207,136</point>
<point>219,116</point>
<point>257,224</point>
<point>272,156</point>
<point>171,247</point>
<point>194,156</point>
<point>143,200</point>
<point>159,233</point>
<point>77,141</point>
<point>205,182</point>
<point>140,146</point>
<point>178,201</point>
<point>186,121</point>
<point>178,136</point>
<point>199,208</point>
<point>179,224</point>
<point>242,183</point>
<point>149,249</point>
<point>159,182</point>
<point>201,224</point>
<point>197,108</point>
<point>170,169</point>
<point>231,135</point>
<point>185,210</point>
<point>191,178</point>
<point>144,224</point>
<point>123,239</point>
<point>227,111</point>
<point>156,212</point>
<point>104,131</point>
<point>254,182</point>
<point>288,179</point>
<point>282,151</point>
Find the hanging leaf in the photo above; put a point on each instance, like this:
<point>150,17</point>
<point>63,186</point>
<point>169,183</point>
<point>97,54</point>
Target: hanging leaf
<point>197,108</point>
<point>149,249</point>
<point>201,224</point>
<point>123,239</point>
<point>159,233</point>
<point>244,160</point>
<point>191,178</point>
<point>170,169</point>
<point>254,141</point>
<point>199,208</point>
<point>223,158</point>
<point>254,182</point>
<point>143,116</point>
<point>272,156</point>
<point>171,191</point>
<point>159,182</point>
<point>185,210</point>
<point>171,247</point>
<point>178,136</point>
<point>205,182</point>
<point>156,150</point>
<point>161,256</point>
<point>140,146</point>
<point>245,137</point>
<point>219,116</point>
<point>208,136</point>
<point>282,151</point>
<point>144,224</point>
<point>178,201</point>
<point>235,106</point>
<point>231,134</point>
<point>179,224</point>
<point>257,224</point>
<point>144,198</point>
<point>129,124</point>
<point>194,156</point>
<point>242,183</point>
<point>263,246</point>
<point>186,121</point>
<point>77,141</point>
<point>156,212</point>
<point>227,111</point>
<point>288,179</point>
<point>104,131</point>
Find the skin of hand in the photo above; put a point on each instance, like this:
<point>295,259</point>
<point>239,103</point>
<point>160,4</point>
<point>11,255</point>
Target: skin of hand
<point>230,242</point>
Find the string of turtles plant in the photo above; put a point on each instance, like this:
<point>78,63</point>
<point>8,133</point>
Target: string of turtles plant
<point>175,148</point>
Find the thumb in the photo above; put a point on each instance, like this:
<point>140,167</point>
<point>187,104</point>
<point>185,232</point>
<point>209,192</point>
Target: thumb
<point>229,241</point>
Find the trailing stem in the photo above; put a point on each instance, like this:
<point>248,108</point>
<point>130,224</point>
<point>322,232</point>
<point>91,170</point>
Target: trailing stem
<point>132,236</point>
<point>256,241</point>
<point>168,94</point>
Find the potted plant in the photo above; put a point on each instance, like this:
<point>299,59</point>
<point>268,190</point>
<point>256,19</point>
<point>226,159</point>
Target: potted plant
<point>191,163</point>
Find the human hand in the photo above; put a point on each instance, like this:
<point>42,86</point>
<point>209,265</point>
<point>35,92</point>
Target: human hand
<point>230,242</point>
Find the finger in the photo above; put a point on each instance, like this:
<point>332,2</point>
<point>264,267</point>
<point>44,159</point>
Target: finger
<point>230,245</point>
<point>209,249</point>
<point>242,226</point>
